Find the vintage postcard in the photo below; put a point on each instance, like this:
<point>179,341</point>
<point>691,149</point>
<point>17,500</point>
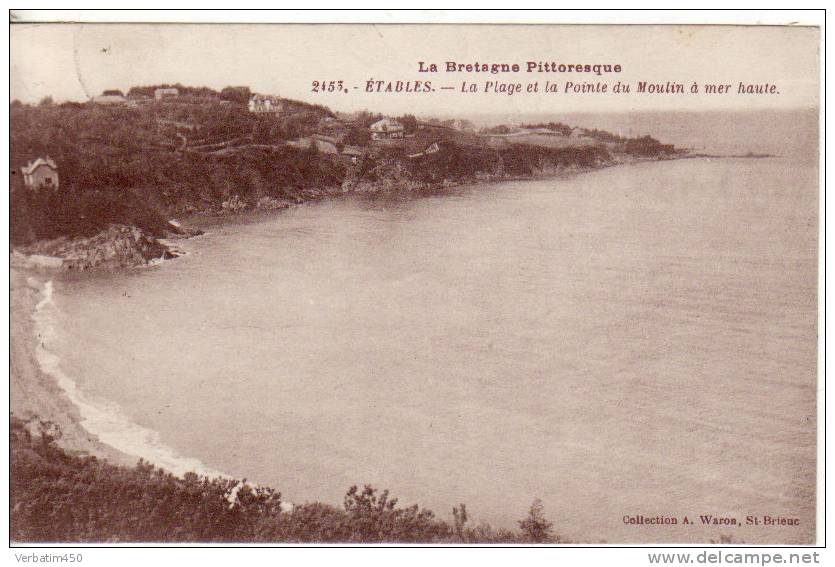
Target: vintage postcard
<point>414,283</point>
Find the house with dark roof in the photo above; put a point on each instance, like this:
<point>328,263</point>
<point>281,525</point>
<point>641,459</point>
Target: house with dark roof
<point>110,98</point>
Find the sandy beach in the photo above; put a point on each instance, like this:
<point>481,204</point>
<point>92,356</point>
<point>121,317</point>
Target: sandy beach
<point>33,392</point>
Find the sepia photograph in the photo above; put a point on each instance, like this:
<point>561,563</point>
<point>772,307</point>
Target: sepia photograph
<point>456,284</point>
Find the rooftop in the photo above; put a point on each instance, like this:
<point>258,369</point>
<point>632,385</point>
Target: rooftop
<point>33,165</point>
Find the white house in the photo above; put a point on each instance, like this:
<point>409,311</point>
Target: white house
<point>264,103</point>
<point>40,174</point>
<point>387,129</point>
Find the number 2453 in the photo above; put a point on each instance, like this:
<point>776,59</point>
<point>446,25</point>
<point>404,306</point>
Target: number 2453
<point>327,86</point>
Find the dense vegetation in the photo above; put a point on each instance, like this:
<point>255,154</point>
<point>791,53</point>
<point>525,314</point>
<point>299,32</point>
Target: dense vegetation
<point>558,127</point>
<point>58,497</point>
<point>116,159</point>
<point>203,151</point>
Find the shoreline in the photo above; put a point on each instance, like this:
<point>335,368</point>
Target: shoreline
<point>207,219</point>
<point>126,246</point>
<point>43,392</point>
<point>33,392</point>
<point>37,393</point>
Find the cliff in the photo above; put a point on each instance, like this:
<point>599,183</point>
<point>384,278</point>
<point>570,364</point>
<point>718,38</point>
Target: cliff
<point>118,246</point>
<point>206,154</point>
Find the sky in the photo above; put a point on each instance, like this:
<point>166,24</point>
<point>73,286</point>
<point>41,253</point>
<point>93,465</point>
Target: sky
<point>77,61</point>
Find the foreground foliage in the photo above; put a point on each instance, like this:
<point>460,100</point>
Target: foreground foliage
<point>58,497</point>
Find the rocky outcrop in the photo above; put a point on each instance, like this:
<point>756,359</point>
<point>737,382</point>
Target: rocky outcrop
<point>117,247</point>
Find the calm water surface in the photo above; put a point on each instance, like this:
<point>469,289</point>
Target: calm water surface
<point>635,341</point>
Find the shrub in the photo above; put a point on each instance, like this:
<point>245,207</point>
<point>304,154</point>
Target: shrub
<point>58,497</point>
<point>535,528</point>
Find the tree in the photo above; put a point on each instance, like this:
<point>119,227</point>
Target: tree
<point>357,136</point>
<point>46,101</point>
<point>238,95</point>
<point>535,528</point>
<point>646,146</point>
<point>366,118</point>
<point>459,519</point>
<point>409,122</point>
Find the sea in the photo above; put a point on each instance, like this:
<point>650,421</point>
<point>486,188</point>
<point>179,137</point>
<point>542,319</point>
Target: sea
<point>631,346</point>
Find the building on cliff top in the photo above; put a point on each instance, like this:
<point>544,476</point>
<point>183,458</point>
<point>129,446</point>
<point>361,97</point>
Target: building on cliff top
<point>387,129</point>
<point>40,174</point>
<point>110,99</point>
<point>167,92</point>
<point>264,103</point>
